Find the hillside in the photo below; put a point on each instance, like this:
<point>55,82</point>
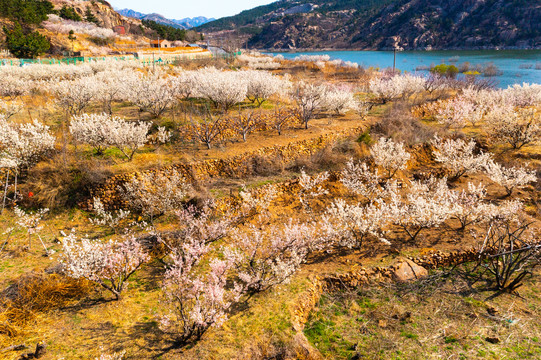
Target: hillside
<point>186,23</point>
<point>369,24</point>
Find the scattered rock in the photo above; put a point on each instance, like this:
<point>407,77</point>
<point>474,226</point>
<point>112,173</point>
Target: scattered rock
<point>407,270</point>
<point>492,311</point>
<point>41,349</point>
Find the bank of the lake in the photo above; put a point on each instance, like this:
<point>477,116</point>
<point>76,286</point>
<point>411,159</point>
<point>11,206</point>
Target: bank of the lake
<point>516,66</point>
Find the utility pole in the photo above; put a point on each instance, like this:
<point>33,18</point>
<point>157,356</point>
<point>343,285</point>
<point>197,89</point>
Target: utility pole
<point>394,59</point>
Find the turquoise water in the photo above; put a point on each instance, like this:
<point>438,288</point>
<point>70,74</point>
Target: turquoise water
<point>517,66</point>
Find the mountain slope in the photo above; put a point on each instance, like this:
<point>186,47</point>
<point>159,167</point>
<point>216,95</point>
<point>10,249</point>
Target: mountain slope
<point>186,23</point>
<point>372,24</point>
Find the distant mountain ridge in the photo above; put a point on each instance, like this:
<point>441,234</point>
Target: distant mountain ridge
<point>384,24</point>
<point>186,23</point>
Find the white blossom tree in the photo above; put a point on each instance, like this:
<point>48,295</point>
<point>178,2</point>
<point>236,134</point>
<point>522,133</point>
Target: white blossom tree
<point>152,93</point>
<point>109,264</point>
<point>459,157</point>
<point>357,177</point>
<point>509,177</point>
<point>73,96</point>
<point>339,100</point>
<point>309,99</point>
<point>267,258</point>
<point>426,204</point>
<point>110,219</point>
<point>31,222</point>
<point>311,188</point>
<point>516,127</point>
<point>398,86</point>
<point>21,146</point>
<point>354,223</point>
<point>223,88</point>
<point>103,130</point>
<point>262,85</point>
<point>390,156</point>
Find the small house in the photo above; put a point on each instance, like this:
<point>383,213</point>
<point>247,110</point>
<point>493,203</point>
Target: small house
<point>161,44</point>
<point>120,30</point>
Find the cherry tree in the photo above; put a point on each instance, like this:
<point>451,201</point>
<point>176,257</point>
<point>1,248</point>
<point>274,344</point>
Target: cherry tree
<point>261,85</point>
<point>471,207</point>
<point>456,112</point>
<point>109,264</point>
<point>21,146</point>
<point>196,298</point>
<point>311,188</point>
<point>255,201</point>
<point>458,157</point>
<point>91,129</point>
<point>524,95</point>
<point>127,136</point>
<point>339,100</point>
<point>267,258</point>
<point>9,109</point>
<point>426,204</point>
<point>113,88</point>
<point>73,96</point>
<point>102,130</point>
<point>357,177</point>
<point>390,155</point>
<point>155,193</point>
<point>153,93</point>
<point>280,118</point>
<point>184,85</point>
<point>509,177</point>
<point>398,86</point>
<point>31,222</point>
<point>160,137</point>
<point>516,127</point>
<point>203,225</point>
<point>223,88</point>
<point>354,223</point>
<point>259,62</point>
<point>110,219</point>
<point>244,123</point>
<point>13,86</point>
<point>207,129</point>
<point>309,99</point>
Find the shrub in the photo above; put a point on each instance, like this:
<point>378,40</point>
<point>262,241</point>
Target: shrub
<point>400,125</point>
<point>155,193</point>
<point>450,71</point>
<point>509,252</point>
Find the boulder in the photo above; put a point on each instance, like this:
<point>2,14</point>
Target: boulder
<point>407,270</point>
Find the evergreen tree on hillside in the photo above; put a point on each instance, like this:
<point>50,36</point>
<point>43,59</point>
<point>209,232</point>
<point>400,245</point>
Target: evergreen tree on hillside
<point>166,32</point>
<point>69,13</point>
<point>26,12</point>
<point>90,17</point>
<point>25,45</point>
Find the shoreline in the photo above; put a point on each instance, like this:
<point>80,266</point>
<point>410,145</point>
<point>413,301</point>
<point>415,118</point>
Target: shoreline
<point>304,50</point>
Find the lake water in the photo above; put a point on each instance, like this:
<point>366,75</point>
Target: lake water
<point>517,66</point>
